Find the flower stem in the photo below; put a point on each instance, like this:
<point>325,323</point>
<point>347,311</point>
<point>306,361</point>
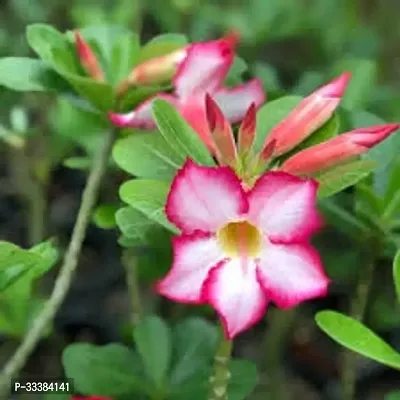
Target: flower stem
<point>129,262</point>
<point>357,311</point>
<point>64,278</point>
<point>220,378</point>
<point>280,325</point>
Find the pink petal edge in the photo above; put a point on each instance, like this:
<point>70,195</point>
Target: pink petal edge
<point>226,289</point>
<point>193,257</point>
<point>284,206</point>
<point>291,274</point>
<point>191,203</point>
<point>141,116</point>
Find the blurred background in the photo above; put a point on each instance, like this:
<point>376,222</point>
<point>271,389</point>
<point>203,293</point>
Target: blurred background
<point>293,46</point>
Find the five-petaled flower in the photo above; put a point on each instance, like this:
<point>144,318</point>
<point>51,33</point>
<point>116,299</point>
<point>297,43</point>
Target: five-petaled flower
<point>202,71</point>
<point>240,249</point>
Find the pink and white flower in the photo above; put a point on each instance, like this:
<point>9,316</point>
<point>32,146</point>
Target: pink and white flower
<point>202,71</point>
<point>239,249</point>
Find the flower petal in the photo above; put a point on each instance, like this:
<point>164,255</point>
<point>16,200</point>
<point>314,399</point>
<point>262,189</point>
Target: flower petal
<point>284,207</point>
<point>291,274</point>
<point>221,133</point>
<point>308,116</point>
<point>205,198</point>
<point>194,256</point>
<point>141,116</point>
<point>234,102</point>
<point>194,112</point>
<point>335,151</point>
<point>204,68</point>
<point>234,291</point>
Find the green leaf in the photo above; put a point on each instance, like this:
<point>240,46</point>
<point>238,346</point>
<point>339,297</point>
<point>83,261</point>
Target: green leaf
<point>148,197</point>
<point>393,395</point>
<point>363,79</point>
<point>29,75</point>
<point>180,136</point>
<point>54,48</point>
<point>357,337</point>
<point>105,37</point>
<point>16,262</point>
<point>244,379</point>
<point>124,57</point>
<point>135,225</point>
<point>270,115</point>
<point>111,370</point>
<point>161,45</point>
<point>147,155</point>
<point>339,178</point>
<point>396,273</point>
<point>104,216</point>
<point>150,241</point>
<point>153,342</point>
<point>195,342</point>
<point>18,269</point>
<point>393,186</point>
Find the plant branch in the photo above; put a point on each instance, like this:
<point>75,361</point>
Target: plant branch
<point>64,279</point>
<point>129,262</point>
<point>221,375</point>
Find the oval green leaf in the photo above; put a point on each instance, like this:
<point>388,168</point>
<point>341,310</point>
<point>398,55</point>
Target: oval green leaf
<point>112,370</point>
<point>339,178</point>
<point>147,155</point>
<point>180,136</point>
<point>355,336</point>
<point>148,197</point>
<point>153,342</point>
<point>29,75</point>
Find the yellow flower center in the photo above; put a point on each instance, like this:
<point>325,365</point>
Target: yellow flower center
<point>240,238</point>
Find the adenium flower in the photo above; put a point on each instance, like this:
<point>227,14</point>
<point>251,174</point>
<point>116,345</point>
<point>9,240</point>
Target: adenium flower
<point>202,71</point>
<point>308,116</point>
<point>87,58</point>
<point>337,150</point>
<point>239,249</point>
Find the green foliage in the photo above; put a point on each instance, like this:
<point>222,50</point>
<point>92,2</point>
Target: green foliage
<point>55,49</point>
<point>19,269</point>
<point>111,370</point>
<point>396,273</point>
<point>339,178</point>
<point>179,135</point>
<point>355,336</point>
<point>169,363</point>
<point>104,216</point>
<point>161,45</point>
<point>147,155</point>
<point>29,75</point>
<point>153,342</point>
<point>148,197</point>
